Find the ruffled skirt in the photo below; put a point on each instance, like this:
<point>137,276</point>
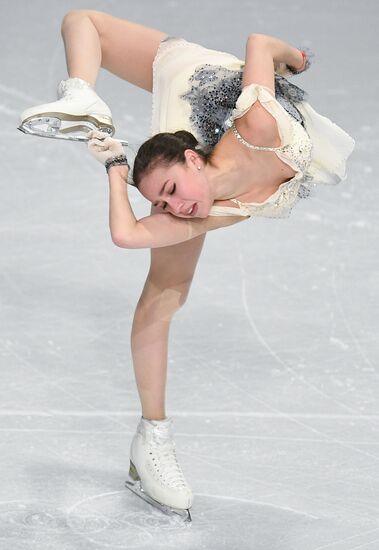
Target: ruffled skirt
<point>332,146</point>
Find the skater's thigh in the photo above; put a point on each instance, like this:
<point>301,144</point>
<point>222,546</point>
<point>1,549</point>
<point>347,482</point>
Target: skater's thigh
<point>128,49</point>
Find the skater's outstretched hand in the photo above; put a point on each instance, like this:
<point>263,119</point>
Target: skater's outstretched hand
<point>103,147</point>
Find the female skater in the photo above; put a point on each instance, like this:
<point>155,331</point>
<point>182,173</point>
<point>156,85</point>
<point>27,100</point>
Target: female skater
<point>231,140</point>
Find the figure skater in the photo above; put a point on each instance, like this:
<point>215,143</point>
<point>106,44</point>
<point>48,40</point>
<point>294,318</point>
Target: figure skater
<point>231,139</point>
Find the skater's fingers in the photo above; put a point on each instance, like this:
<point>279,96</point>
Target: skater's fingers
<point>101,137</point>
<point>96,134</point>
<point>105,142</point>
<point>98,141</point>
<point>98,144</point>
<point>108,141</point>
<point>103,147</point>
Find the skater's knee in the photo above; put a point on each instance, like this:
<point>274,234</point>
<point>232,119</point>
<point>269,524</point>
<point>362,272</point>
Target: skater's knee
<point>74,15</point>
<point>69,18</point>
<point>162,302</point>
<point>172,299</point>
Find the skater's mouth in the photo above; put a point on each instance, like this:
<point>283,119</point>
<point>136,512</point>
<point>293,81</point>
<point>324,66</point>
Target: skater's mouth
<point>192,211</point>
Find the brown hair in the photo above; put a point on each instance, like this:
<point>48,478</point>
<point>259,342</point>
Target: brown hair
<point>165,149</point>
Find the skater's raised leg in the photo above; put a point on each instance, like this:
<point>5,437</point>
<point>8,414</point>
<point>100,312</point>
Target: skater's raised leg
<point>92,40</point>
<point>82,46</point>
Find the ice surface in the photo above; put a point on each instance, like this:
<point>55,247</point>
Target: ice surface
<point>273,375</point>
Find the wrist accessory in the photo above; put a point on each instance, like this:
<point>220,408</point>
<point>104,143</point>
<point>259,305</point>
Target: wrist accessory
<point>120,160</point>
<point>307,55</point>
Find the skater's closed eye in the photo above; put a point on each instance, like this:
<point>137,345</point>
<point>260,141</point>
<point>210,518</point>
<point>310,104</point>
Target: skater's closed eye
<point>171,192</point>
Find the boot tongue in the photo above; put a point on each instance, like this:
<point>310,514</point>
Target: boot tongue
<point>73,84</point>
<point>161,430</point>
<point>164,423</point>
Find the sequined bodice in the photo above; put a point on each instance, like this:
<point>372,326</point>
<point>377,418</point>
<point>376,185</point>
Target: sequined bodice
<point>213,93</point>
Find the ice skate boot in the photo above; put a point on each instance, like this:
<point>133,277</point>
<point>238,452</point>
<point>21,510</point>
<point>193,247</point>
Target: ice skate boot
<point>154,473</point>
<point>78,111</point>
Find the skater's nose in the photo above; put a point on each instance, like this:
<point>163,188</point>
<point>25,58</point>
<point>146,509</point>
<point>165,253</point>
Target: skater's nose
<point>177,205</point>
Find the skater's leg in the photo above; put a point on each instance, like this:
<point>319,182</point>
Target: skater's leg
<point>166,288</point>
<point>82,46</point>
<point>155,474</point>
<point>93,39</point>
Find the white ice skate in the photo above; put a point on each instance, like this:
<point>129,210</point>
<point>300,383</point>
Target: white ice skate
<point>154,473</point>
<point>78,111</point>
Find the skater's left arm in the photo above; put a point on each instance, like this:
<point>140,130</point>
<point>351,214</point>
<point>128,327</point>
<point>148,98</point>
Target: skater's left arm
<point>154,231</point>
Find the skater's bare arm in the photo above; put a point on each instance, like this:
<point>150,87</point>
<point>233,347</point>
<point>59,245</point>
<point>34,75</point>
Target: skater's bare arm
<point>263,54</point>
<point>154,231</point>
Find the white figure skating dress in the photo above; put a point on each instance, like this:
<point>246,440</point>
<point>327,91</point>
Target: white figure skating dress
<point>199,90</point>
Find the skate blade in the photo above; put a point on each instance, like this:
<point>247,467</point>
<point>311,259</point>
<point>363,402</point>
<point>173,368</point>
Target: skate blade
<point>135,487</point>
<point>54,128</point>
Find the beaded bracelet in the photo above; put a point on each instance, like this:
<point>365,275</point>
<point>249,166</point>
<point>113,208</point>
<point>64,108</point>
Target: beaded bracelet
<point>120,160</point>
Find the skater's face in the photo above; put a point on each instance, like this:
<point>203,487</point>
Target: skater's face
<point>181,189</point>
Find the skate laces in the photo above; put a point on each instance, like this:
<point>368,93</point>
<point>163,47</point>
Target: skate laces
<point>164,458</point>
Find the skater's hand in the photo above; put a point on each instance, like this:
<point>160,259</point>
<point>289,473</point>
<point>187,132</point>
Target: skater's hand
<point>285,70</point>
<point>103,147</point>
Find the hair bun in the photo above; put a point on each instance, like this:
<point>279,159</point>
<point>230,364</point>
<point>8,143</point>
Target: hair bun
<point>187,138</point>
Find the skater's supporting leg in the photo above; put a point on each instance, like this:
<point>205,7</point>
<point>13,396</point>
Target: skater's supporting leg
<point>93,39</point>
<point>155,473</point>
<point>166,288</point>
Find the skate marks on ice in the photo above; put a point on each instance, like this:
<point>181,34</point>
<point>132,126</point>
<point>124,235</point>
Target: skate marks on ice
<point>308,384</point>
<point>127,521</point>
<point>12,94</point>
<point>119,520</point>
<point>108,520</point>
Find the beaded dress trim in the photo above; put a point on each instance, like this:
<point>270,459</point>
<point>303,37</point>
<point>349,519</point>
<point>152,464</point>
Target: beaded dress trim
<point>214,92</point>
<point>255,147</point>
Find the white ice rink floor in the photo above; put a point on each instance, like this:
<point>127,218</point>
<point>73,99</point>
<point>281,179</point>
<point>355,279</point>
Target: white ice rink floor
<point>273,375</point>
